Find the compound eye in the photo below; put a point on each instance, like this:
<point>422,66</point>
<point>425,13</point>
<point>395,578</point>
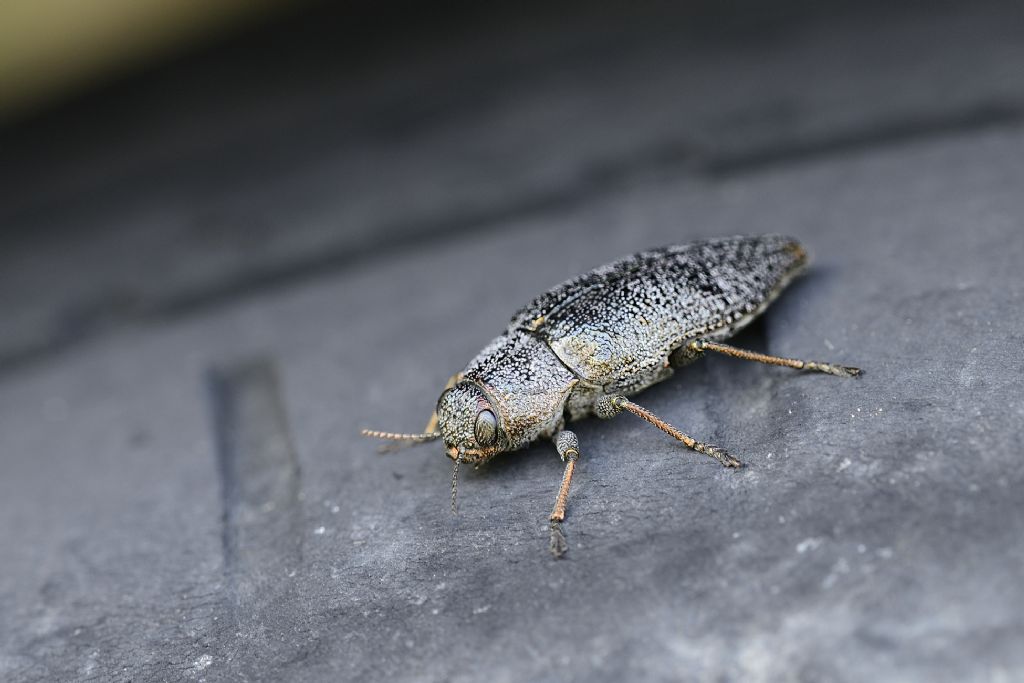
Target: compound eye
<point>486,428</point>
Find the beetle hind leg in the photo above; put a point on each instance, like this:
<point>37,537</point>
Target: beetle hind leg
<point>698,347</point>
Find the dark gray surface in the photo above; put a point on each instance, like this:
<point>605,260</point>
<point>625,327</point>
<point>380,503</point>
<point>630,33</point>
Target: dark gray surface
<point>875,535</point>
<point>292,157</point>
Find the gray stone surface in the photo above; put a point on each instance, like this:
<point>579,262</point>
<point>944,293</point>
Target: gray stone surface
<point>160,525</point>
<point>293,155</point>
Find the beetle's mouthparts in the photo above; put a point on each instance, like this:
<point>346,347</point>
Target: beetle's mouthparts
<point>470,456</point>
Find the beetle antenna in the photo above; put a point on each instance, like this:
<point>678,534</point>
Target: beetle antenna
<point>455,486</point>
<point>393,436</point>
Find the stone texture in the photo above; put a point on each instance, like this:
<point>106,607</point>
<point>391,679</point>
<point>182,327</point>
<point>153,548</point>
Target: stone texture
<point>292,153</point>
<point>875,534</point>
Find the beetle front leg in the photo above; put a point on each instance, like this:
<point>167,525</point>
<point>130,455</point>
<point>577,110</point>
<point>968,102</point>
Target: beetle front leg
<point>610,406</point>
<point>569,449</point>
<point>452,381</point>
<point>695,348</point>
<point>430,430</point>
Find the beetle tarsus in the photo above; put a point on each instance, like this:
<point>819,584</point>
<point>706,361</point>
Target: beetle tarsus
<point>557,545</point>
<point>719,454</point>
<point>832,369</point>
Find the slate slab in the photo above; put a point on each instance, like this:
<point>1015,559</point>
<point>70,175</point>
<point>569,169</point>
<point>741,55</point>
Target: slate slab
<point>301,149</point>
<point>875,535</point>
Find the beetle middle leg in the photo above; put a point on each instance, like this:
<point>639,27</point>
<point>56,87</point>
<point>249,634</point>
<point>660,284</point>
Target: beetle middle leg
<point>609,406</point>
<point>698,347</point>
<point>569,449</point>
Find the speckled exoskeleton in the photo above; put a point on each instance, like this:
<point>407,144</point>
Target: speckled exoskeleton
<point>586,345</point>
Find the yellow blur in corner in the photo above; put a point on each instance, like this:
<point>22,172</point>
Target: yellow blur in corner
<point>51,48</point>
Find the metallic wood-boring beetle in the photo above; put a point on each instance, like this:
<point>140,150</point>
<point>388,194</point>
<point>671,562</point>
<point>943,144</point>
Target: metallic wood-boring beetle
<point>586,345</point>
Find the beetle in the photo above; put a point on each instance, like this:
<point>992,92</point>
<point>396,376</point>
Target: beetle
<point>585,346</point>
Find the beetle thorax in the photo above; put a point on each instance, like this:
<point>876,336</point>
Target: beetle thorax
<point>520,381</point>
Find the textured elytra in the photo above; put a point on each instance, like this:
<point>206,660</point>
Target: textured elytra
<point>611,331</point>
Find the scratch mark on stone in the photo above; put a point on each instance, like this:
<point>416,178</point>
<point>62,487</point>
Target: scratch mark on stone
<point>260,477</point>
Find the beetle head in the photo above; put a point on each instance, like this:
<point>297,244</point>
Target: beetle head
<point>469,424</point>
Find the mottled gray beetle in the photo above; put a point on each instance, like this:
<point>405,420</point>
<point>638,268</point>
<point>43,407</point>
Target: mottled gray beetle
<point>584,346</point>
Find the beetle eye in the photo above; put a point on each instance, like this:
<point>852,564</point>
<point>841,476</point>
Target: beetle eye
<point>486,428</point>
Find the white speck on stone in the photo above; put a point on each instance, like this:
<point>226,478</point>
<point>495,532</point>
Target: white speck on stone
<point>481,610</point>
<point>840,567</point>
<point>807,544</point>
<point>829,345</point>
<point>735,534</point>
<point>782,520</point>
<point>335,509</point>
<point>320,530</point>
<point>885,553</point>
<point>844,464</point>
<point>862,548</point>
<point>202,663</point>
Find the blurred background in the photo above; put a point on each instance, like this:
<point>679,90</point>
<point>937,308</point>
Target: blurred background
<point>327,208</point>
<point>160,155</point>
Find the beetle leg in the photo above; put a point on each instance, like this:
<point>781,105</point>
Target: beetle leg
<point>609,406</point>
<point>431,423</point>
<point>683,356</point>
<point>569,449</point>
<point>400,441</point>
<point>700,346</point>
